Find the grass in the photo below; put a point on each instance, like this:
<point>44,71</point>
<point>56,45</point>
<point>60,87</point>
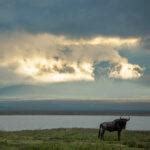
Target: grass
<point>73,139</point>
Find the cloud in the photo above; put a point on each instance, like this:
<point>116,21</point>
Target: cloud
<point>52,58</point>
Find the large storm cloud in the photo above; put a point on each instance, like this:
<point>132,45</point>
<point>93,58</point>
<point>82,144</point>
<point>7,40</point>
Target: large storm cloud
<point>51,58</point>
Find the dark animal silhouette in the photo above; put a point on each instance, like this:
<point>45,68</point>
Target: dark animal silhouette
<point>116,125</point>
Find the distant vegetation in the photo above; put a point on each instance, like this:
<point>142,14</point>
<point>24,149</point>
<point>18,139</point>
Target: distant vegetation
<point>73,139</point>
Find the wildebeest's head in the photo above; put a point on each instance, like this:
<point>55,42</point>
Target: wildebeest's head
<point>123,122</point>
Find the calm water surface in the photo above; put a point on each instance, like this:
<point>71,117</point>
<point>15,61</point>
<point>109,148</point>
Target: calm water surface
<point>32,122</point>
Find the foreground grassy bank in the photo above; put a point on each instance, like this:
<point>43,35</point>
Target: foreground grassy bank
<point>72,139</point>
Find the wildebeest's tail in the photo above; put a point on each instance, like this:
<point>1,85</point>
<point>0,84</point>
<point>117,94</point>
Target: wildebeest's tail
<point>99,132</point>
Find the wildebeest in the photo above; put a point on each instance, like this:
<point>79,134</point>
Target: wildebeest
<point>116,125</point>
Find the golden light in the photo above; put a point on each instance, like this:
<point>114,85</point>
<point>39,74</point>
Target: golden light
<point>50,70</point>
<point>104,41</point>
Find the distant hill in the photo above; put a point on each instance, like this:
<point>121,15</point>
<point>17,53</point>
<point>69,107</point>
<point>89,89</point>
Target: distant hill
<point>73,107</point>
<point>68,98</point>
<point>76,90</point>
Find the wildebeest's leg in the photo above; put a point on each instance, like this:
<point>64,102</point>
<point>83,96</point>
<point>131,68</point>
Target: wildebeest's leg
<point>100,131</point>
<point>119,134</point>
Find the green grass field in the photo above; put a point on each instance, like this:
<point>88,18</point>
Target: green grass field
<point>73,139</point>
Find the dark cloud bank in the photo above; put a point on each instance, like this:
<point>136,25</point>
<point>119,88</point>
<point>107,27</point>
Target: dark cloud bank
<point>77,17</point>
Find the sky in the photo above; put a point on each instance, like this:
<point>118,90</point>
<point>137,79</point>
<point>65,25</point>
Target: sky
<point>75,49</point>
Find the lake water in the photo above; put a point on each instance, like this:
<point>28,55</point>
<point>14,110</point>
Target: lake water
<point>32,122</point>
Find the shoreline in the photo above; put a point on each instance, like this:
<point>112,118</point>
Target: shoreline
<point>73,128</point>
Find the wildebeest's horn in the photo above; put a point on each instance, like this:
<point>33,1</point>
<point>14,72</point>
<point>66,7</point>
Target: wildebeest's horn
<point>128,118</point>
